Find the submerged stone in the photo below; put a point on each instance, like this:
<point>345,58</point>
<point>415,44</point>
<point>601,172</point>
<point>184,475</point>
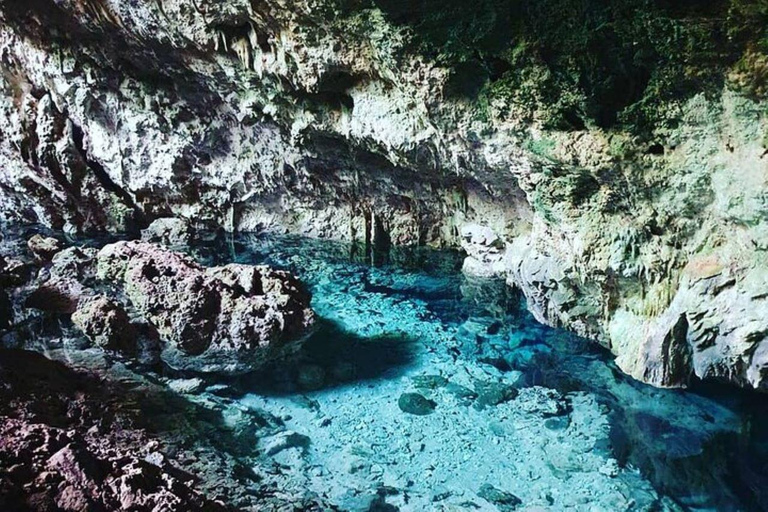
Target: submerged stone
<point>493,393</point>
<point>414,403</point>
<point>429,381</point>
<point>505,501</point>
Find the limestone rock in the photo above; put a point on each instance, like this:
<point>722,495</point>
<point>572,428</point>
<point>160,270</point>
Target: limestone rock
<point>228,319</point>
<point>505,501</point>
<point>168,231</point>
<point>57,295</point>
<point>44,247</point>
<point>106,324</point>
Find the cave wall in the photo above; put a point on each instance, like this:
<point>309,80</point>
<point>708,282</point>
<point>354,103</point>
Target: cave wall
<point>608,158</point>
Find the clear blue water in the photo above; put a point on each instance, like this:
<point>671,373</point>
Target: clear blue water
<point>705,448</point>
<point>390,321</point>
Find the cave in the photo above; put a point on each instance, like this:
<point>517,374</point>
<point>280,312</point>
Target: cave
<point>383,255</point>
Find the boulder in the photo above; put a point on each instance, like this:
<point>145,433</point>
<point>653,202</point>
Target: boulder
<point>168,231</point>
<point>57,295</point>
<point>228,319</point>
<point>504,501</point>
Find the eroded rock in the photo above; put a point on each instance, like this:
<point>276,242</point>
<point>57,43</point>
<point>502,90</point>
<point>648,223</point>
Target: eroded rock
<point>169,231</point>
<point>106,323</point>
<point>227,319</point>
<point>44,247</point>
<point>415,403</point>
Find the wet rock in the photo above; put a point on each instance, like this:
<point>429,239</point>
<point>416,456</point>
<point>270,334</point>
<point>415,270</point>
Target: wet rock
<point>557,423</point>
<point>493,393</point>
<point>505,501</point>
<point>186,386</point>
<point>284,441</point>
<point>311,377</point>
<point>44,247</point>
<point>169,231</point>
<point>543,401</point>
<point>105,323</point>
<point>429,381</point>
<point>414,403</point>
<point>462,393</point>
<point>227,319</point>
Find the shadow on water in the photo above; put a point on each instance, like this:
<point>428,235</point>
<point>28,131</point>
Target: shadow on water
<point>333,357</point>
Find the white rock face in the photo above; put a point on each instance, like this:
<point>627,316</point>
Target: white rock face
<point>240,116</point>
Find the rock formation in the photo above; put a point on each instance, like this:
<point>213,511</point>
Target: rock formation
<point>64,450</point>
<point>223,319</point>
<point>613,155</point>
<point>227,320</point>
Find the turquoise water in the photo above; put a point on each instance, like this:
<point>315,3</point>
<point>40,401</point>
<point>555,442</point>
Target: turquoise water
<point>511,410</point>
<point>388,320</point>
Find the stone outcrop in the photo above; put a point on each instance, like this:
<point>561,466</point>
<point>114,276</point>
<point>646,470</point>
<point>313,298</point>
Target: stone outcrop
<point>608,158</point>
<point>63,448</point>
<point>224,319</point>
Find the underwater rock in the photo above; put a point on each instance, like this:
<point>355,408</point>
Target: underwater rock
<point>44,247</point>
<point>169,231</point>
<point>186,386</point>
<point>429,381</point>
<point>227,319</point>
<point>311,377</point>
<point>105,323</point>
<point>544,401</point>
<point>504,501</point>
<point>415,403</point>
<point>493,393</point>
<point>284,441</point>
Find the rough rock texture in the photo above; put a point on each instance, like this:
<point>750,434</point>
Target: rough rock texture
<point>224,319</point>
<point>614,153</point>
<point>44,248</point>
<point>65,449</point>
<point>168,231</point>
<point>106,323</point>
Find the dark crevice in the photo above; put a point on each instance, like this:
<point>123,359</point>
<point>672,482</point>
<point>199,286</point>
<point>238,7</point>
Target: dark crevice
<point>101,174</point>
